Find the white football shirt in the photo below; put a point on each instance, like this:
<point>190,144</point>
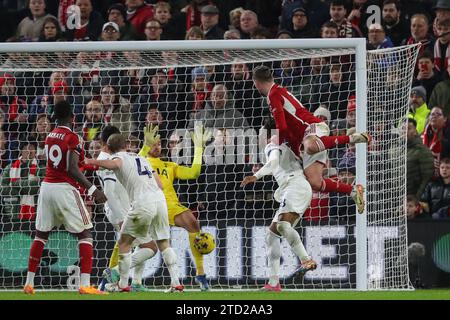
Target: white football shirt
<point>136,176</point>
<point>281,162</point>
<point>119,210</point>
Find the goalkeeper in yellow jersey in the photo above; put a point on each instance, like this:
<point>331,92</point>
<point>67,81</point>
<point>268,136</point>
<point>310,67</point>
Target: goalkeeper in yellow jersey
<point>179,215</point>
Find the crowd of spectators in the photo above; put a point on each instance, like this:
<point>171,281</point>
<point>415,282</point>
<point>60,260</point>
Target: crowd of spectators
<point>221,96</point>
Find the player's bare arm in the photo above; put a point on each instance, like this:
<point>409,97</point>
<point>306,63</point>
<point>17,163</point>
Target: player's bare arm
<point>78,176</point>
<point>106,164</point>
<point>248,180</point>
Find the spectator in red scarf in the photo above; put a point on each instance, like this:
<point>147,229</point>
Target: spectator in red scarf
<point>437,136</point>
<point>138,12</point>
<point>21,180</point>
<point>420,32</point>
<point>442,46</point>
<point>338,13</point>
<point>14,107</point>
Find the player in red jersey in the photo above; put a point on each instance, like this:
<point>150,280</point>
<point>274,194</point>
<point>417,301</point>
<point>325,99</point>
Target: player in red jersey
<point>297,126</point>
<point>59,201</point>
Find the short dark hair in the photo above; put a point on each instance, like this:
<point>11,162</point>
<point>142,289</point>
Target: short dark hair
<point>411,198</point>
<point>396,2</point>
<point>426,54</point>
<point>262,73</point>
<point>107,132</point>
<point>62,111</point>
<point>338,3</point>
<point>116,142</point>
<point>445,160</point>
<point>413,121</point>
<point>329,24</point>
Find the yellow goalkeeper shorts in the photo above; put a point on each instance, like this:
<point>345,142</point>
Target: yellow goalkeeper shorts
<point>175,209</point>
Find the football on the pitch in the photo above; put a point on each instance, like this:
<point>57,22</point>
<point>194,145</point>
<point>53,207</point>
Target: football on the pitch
<point>204,242</point>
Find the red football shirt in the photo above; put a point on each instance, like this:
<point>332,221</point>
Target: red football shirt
<point>57,146</point>
<point>291,117</point>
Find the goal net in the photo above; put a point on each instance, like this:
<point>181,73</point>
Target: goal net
<point>175,85</point>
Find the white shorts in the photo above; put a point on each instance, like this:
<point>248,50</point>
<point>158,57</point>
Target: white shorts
<point>320,129</point>
<point>295,196</point>
<point>146,221</point>
<point>114,219</point>
<point>61,204</point>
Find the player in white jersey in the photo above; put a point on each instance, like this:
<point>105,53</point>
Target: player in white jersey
<point>147,215</point>
<point>116,209</point>
<point>294,194</point>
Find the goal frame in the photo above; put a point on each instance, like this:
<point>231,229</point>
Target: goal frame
<point>356,44</point>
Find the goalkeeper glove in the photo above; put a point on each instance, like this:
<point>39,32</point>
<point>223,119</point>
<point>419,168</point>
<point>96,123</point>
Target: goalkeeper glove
<point>200,136</point>
<point>151,136</point>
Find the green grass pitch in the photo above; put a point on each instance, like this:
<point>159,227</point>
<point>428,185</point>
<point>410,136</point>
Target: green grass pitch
<point>443,294</point>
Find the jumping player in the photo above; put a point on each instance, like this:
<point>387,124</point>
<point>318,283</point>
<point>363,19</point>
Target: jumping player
<point>298,127</point>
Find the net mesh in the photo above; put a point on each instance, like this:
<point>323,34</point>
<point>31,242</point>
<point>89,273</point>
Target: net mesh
<point>174,89</point>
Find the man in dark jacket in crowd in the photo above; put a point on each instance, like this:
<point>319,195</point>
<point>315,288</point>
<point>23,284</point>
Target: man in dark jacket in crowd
<point>420,165</point>
<point>436,197</point>
<point>210,23</point>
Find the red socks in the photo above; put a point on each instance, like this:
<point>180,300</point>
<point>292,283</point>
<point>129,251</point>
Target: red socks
<point>86,254</point>
<point>37,247</point>
<point>333,141</point>
<point>330,185</point>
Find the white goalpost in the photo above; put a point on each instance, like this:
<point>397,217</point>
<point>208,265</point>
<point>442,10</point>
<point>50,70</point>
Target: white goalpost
<point>176,83</point>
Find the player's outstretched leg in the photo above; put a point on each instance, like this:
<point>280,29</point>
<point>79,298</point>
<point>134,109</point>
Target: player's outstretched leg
<point>273,243</point>
<point>293,238</point>
<point>315,144</point>
<point>315,178</point>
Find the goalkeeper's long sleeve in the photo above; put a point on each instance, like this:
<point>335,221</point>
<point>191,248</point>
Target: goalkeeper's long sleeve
<point>144,151</point>
<point>193,172</point>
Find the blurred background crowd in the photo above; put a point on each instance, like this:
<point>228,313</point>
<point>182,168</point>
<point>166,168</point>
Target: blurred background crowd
<point>222,96</point>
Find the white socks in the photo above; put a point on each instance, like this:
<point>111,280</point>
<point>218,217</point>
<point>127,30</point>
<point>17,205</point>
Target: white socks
<point>170,259</point>
<point>30,279</point>
<point>138,259</point>
<point>85,280</point>
<point>273,244</point>
<point>293,238</point>
<point>124,268</point>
